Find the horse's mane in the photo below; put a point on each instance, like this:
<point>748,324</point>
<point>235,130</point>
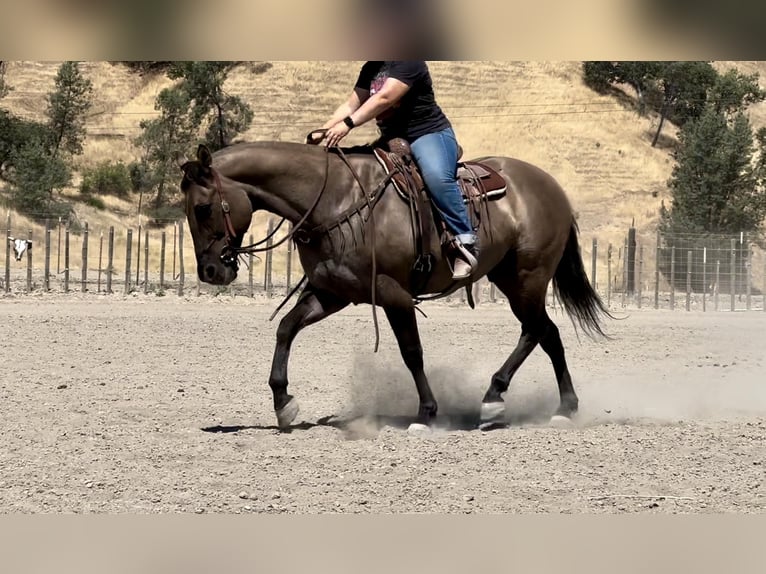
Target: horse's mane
<point>365,150</point>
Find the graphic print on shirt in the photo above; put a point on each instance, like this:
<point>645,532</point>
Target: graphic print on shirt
<point>377,82</point>
<point>375,86</point>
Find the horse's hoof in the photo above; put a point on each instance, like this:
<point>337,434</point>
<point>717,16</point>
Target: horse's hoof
<point>286,415</point>
<point>492,412</point>
<point>561,422</point>
<point>418,428</point>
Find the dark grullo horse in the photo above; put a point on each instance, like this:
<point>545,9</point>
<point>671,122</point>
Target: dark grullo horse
<point>348,229</point>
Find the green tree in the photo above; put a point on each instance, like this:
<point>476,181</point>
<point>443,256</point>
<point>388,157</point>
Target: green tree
<point>15,133</point>
<point>221,115</point>
<point>734,91</point>
<point>718,181</point>
<point>36,174</point>
<point>67,106</point>
<point>682,88</point>
<point>641,76</point>
<point>163,139</point>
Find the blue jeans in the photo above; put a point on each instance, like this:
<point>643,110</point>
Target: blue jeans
<point>436,156</point>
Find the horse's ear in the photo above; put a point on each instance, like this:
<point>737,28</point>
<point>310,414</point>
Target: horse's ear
<point>204,156</point>
<point>181,160</point>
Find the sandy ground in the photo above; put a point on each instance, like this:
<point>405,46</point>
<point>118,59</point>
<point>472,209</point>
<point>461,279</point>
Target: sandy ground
<point>159,404</point>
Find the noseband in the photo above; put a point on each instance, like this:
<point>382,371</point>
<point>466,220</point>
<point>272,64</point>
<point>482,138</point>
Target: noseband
<point>228,253</point>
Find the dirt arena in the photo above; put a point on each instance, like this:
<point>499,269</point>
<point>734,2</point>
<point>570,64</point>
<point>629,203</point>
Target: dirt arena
<point>159,404</point>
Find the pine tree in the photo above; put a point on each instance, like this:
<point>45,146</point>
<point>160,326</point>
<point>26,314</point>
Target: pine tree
<point>67,106</point>
<point>164,138</point>
<point>717,182</point>
<point>221,115</point>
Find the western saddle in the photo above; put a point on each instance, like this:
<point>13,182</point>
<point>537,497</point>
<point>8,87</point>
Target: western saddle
<point>478,182</point>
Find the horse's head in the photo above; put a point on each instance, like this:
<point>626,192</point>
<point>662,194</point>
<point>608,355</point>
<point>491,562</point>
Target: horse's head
<point>219,213</point>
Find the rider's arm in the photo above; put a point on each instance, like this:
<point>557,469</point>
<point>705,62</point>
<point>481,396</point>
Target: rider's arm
<point>357,98</point>
<point>391,92</point>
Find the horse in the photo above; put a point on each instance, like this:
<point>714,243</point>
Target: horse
<point>355,245</point>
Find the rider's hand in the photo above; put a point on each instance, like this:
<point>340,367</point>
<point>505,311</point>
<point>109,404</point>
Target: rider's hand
<point>315,138</point>
<point>336,133</point>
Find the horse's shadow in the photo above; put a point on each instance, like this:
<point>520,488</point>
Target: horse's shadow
<point>374,423</point>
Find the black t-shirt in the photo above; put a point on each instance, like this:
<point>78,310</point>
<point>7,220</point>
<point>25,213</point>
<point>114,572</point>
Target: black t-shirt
<point>417,113</point>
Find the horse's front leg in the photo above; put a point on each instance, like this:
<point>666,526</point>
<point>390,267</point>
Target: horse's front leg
<point>313,305</point>
<point>405,327</point>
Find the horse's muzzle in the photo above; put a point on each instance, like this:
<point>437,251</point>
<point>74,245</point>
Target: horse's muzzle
<point>229,258</point>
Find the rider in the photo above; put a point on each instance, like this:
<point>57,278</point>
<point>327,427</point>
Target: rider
<point>400,96</point>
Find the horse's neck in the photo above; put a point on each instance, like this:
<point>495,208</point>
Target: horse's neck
<point>285,179</point>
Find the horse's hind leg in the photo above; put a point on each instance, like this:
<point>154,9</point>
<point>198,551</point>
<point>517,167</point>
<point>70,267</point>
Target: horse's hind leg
<point>405,327</point>
<point>551,344</point>
<point>312,306</point>
<point>527,298</point>
<point>526,293</point>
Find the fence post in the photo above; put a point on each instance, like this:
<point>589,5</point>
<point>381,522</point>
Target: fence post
<point>138,254</point>
<point>704,279</point>
<point>630,259</point>
<point>733,272</point>
<point>128,250</point>
<point>594,259</point>
<point>29,262</point>
<point>657,273</point>
<point>8,255</point>
<point>58,250</point>
<point>640,273</point>
<point>748,276</point>
<point>180,258</point>
<point>250,268</point>
<point>717,281</point>
<point>688,280</point>
<point>84,283</point>
<point>66,260</point>
<point>609,276</point>
<point>476,292</point>
<point>175,233</point>
<point>146,261</point>
<point>672,277</point>
<point>162,260</point>
<point>624,271</point>
<point>100,261</point>
<point>46,278</point>
<point>110,260</point>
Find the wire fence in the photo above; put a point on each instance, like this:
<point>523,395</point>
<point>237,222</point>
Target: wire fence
<point>691,272</point>
<point>705,272</point>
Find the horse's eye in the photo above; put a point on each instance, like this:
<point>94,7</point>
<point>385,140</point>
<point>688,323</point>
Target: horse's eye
<point>203,211</point>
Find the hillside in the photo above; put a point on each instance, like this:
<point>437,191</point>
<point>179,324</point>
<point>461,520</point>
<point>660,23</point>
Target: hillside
<point>540,112</point>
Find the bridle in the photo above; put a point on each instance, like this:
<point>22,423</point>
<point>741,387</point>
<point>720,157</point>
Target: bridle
<point>230,253</point>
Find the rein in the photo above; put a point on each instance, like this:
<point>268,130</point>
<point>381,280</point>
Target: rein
<point>230,252</point>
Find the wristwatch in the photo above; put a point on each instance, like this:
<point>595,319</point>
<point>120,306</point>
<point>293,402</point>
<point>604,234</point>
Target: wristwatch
<point>349,122</point>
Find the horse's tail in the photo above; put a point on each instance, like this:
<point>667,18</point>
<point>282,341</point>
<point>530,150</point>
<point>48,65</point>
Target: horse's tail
<point>571,286</point>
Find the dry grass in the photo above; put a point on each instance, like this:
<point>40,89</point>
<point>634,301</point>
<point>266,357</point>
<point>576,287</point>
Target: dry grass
<point>599,149</point>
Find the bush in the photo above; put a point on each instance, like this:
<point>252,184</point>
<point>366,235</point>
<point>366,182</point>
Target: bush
<point>162,216</point>
<point>94,201</point>
<point>106,178</point>
<point>140,176</point>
